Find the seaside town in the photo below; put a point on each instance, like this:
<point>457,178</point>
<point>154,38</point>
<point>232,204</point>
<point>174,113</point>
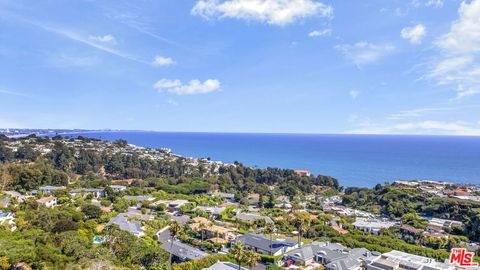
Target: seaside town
<point>92,217</point>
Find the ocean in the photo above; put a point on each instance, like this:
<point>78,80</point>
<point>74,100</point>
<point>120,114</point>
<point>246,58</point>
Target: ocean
<point>355,160</point>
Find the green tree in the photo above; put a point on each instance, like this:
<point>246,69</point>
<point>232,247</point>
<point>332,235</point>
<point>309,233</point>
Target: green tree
<point>4,264</point>
<point>251,258</point>
<point>239,254</point>
<point>91,211</point>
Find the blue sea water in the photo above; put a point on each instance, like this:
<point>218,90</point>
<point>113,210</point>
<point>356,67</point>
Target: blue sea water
<point>355,160</point>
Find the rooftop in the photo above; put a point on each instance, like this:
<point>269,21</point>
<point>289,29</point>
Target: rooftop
<point>183,251</point>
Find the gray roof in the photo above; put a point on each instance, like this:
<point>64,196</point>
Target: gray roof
<point>50,188</point>
<point>224,266</point>
<point>184,219</point>
<point>183,251</point>
<point>252,217</point>
<point>138,198</point>
<point>261,242</point>
<point>135,227</point>
<point>337,255</point>
<point>80,190</point>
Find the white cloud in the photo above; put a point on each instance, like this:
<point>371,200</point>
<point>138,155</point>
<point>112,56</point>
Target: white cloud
<point>172,102</point>
<point>12,93</point>
<point>421,127</point>
<point>434,3</point>
<point>192,88</point>
<point>104,39</point>
<point>162,61</point>
<point>320,33</point>
<point>354,93</point>
<point>363,53</point>
<point>414,113</point>
<point>458,64</point>
<point>275,12</point>
<point>414,34</point>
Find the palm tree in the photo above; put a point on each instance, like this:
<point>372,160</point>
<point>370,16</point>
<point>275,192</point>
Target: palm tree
<point>301,227</point>
<point>202,228</point>
<point>175,229</point>
<point>270,230</point>
<point>251,258</point>
<point>239,253</point>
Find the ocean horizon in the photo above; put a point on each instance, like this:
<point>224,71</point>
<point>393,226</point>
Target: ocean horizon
<point>355,160</point>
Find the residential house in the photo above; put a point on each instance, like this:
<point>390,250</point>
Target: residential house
<point>261,244</point>
<point>253,199</point>
<point>332,255</point>
<point>303,172</point>
<point>224,266</point>
<point>210,230</point>
<point>49,201</point>
<point>50,189</point>
<point>213,211</point>
<point>139,198</point>
<point>118,188</point>
<point>397,260</point>
<point>252,217</point>
<point>134,227</point>
<point>445,223</point>
<point>172,205</point>
<point>229,196</point>
<point>182,252</point>
<point>410,232</point>
<point>95,192</point>
<point>373,226</point>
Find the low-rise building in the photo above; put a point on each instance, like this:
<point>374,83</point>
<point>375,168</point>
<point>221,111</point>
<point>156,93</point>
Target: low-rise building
<point>261,244</point>
<point>332,255</point>
<point>445,223</point>
<point>224,266</point>
<point>50,189</point>
<point>252,217</point>
<point>172,205</point>
<point>95,192</point>
<point>211,230</point>
<point>118,188</point>
<point>213,211</point>
<point>49,201</point>
<point>253,198</point>
<point>182,252</point>
<point>134,227</point>
<point>303,172</point>
<point>397,260</point>
<point>373,226</point>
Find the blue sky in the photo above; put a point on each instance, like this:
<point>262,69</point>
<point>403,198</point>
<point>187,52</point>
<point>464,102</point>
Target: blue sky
<point>292,66</point>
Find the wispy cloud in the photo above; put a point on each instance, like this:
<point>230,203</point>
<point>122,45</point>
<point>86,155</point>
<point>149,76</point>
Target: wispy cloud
<point>458,64</point>
<point>320,33</point>
<point>415,113</point>
<point>422,127</point>
<point>274,12</point>
<point>363,53</point>
<point>86,41</point>
<point>354,94</point>
<point>77,37</point>
<point>12,93</point>
<point>109,39</point>
<point>194,87</point>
